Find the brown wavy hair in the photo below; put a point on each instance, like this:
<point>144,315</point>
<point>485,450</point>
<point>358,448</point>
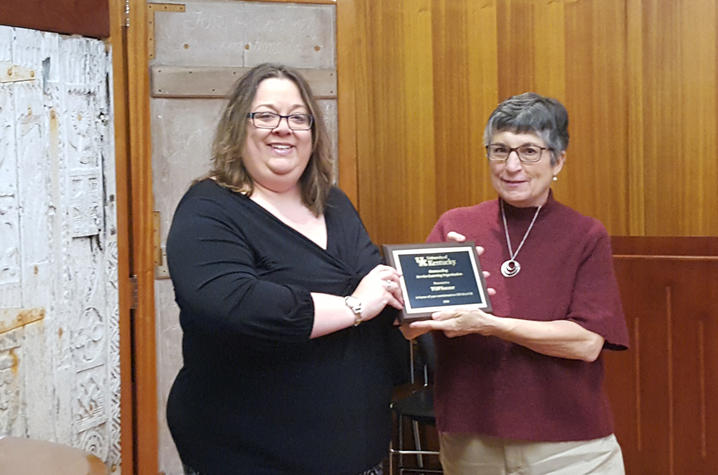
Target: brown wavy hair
<point>228,168</point>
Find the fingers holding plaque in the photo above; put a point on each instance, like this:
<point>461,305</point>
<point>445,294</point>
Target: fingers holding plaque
<point>438,276</point>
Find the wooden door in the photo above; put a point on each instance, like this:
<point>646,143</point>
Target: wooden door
<point>198,50</point>
<point>60,285</point>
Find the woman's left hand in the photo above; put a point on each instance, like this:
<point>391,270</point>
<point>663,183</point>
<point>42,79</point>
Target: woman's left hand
<point>458,322</point>
<point>458,237</point>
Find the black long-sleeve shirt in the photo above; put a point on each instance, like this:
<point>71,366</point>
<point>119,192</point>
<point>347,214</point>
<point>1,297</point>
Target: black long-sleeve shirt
<point>256,395</point>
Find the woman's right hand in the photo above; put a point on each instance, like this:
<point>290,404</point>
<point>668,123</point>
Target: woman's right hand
<point>379,288</point>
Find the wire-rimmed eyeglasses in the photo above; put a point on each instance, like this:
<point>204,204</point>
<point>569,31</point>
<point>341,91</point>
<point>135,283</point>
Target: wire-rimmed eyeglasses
<point>527,153</point>
<point>271,120</point>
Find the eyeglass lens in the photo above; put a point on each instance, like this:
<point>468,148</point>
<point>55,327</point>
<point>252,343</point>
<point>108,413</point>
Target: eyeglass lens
<point>270,120</point>
<point>526,153</point>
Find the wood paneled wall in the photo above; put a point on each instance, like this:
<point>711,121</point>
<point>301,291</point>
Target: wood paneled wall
<point>82,17</point>
<point>663,390</point>
<point>419,78</point>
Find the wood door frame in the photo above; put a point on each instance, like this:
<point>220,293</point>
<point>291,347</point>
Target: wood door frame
<point>139,271</point>
<point>135,195</point>
<point>125,291</point>
<point>133,157</point>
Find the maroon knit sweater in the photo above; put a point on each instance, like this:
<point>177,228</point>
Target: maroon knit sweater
<point>487,386</point>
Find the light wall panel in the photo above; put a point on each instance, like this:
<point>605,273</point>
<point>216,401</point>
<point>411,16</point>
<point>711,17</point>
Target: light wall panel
<point>595,178</point>
<point>679,116</point>
<point>465,92</point>
<point>392,96</point>
<point>417,80</point>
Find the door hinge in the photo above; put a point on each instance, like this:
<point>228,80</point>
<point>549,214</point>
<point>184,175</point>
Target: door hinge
<point>127,14</point>
<point>156,239</point>
<point>134,298</point>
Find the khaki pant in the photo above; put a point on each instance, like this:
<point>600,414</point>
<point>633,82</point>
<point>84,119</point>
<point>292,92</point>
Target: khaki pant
<point>465,454</point>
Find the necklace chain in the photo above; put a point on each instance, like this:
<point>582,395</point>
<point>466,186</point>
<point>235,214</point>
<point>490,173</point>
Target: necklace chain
<point>511,267</point>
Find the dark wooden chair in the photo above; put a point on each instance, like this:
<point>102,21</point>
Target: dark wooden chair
<point>417,408</point>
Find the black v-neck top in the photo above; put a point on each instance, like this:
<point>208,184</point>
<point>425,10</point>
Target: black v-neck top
<point>255,394</point>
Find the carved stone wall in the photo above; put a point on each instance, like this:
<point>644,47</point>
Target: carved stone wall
<point>59,338</point>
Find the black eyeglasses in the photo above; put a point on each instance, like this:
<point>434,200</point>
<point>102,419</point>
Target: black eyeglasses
<point>271,120</point>
<point>527,153</point>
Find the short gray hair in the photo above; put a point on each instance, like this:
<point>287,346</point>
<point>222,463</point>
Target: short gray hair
<point>531,113</point>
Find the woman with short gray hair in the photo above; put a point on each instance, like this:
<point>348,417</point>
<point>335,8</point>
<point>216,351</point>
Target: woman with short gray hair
<point>520,390</point>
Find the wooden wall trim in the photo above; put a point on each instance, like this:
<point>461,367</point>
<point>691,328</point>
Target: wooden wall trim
<point>141,206</point>
<point>669,257</point>
<point>217,81</point>
<point>348,60</point>
<point>81,17</point>
<point>119,102</point>
<point>665,245</point>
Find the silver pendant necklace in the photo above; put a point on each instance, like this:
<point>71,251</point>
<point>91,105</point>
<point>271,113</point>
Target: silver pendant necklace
<point>511,267</point>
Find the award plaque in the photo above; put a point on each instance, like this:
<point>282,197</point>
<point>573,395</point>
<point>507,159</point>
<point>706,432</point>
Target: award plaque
<point>438,276</point>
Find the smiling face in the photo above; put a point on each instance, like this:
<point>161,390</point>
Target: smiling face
<point>523,184</point>
<point>276,158</point>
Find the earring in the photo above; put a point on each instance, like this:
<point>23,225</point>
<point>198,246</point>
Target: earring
<point>555,178</point>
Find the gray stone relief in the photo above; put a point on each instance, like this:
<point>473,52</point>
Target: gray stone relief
<point>59,375</point>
